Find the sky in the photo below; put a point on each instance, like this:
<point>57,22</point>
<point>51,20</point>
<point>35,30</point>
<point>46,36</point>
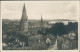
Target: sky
<point>34,9</point>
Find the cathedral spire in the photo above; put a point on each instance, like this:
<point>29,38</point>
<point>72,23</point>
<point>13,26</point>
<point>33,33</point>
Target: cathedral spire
<point>24,15</point>
<point>42,21</point>
<point>24,9</point>
<point>24,20</point>
<point>41,18</point>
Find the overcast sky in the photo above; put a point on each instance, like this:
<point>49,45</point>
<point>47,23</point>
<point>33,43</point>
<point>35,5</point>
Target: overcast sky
<point>49,9</point>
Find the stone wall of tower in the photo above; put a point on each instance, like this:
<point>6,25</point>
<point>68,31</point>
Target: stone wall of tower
<point>24,20</point>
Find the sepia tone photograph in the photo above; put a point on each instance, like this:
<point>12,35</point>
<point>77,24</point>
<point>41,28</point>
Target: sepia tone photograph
<point>40,25</point>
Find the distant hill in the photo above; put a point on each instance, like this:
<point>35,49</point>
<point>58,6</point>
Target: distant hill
<point>39,20</point>
<point>33,22</point>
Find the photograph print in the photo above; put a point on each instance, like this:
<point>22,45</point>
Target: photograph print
<point>40,25</point>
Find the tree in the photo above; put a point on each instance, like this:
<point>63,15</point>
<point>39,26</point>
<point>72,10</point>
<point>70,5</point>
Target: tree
<point>20,35</point>
<point>72,26</point>
<point>58,29</point>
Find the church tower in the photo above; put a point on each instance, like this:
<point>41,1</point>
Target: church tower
<point>24,20</point>
<point>42,25</point>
